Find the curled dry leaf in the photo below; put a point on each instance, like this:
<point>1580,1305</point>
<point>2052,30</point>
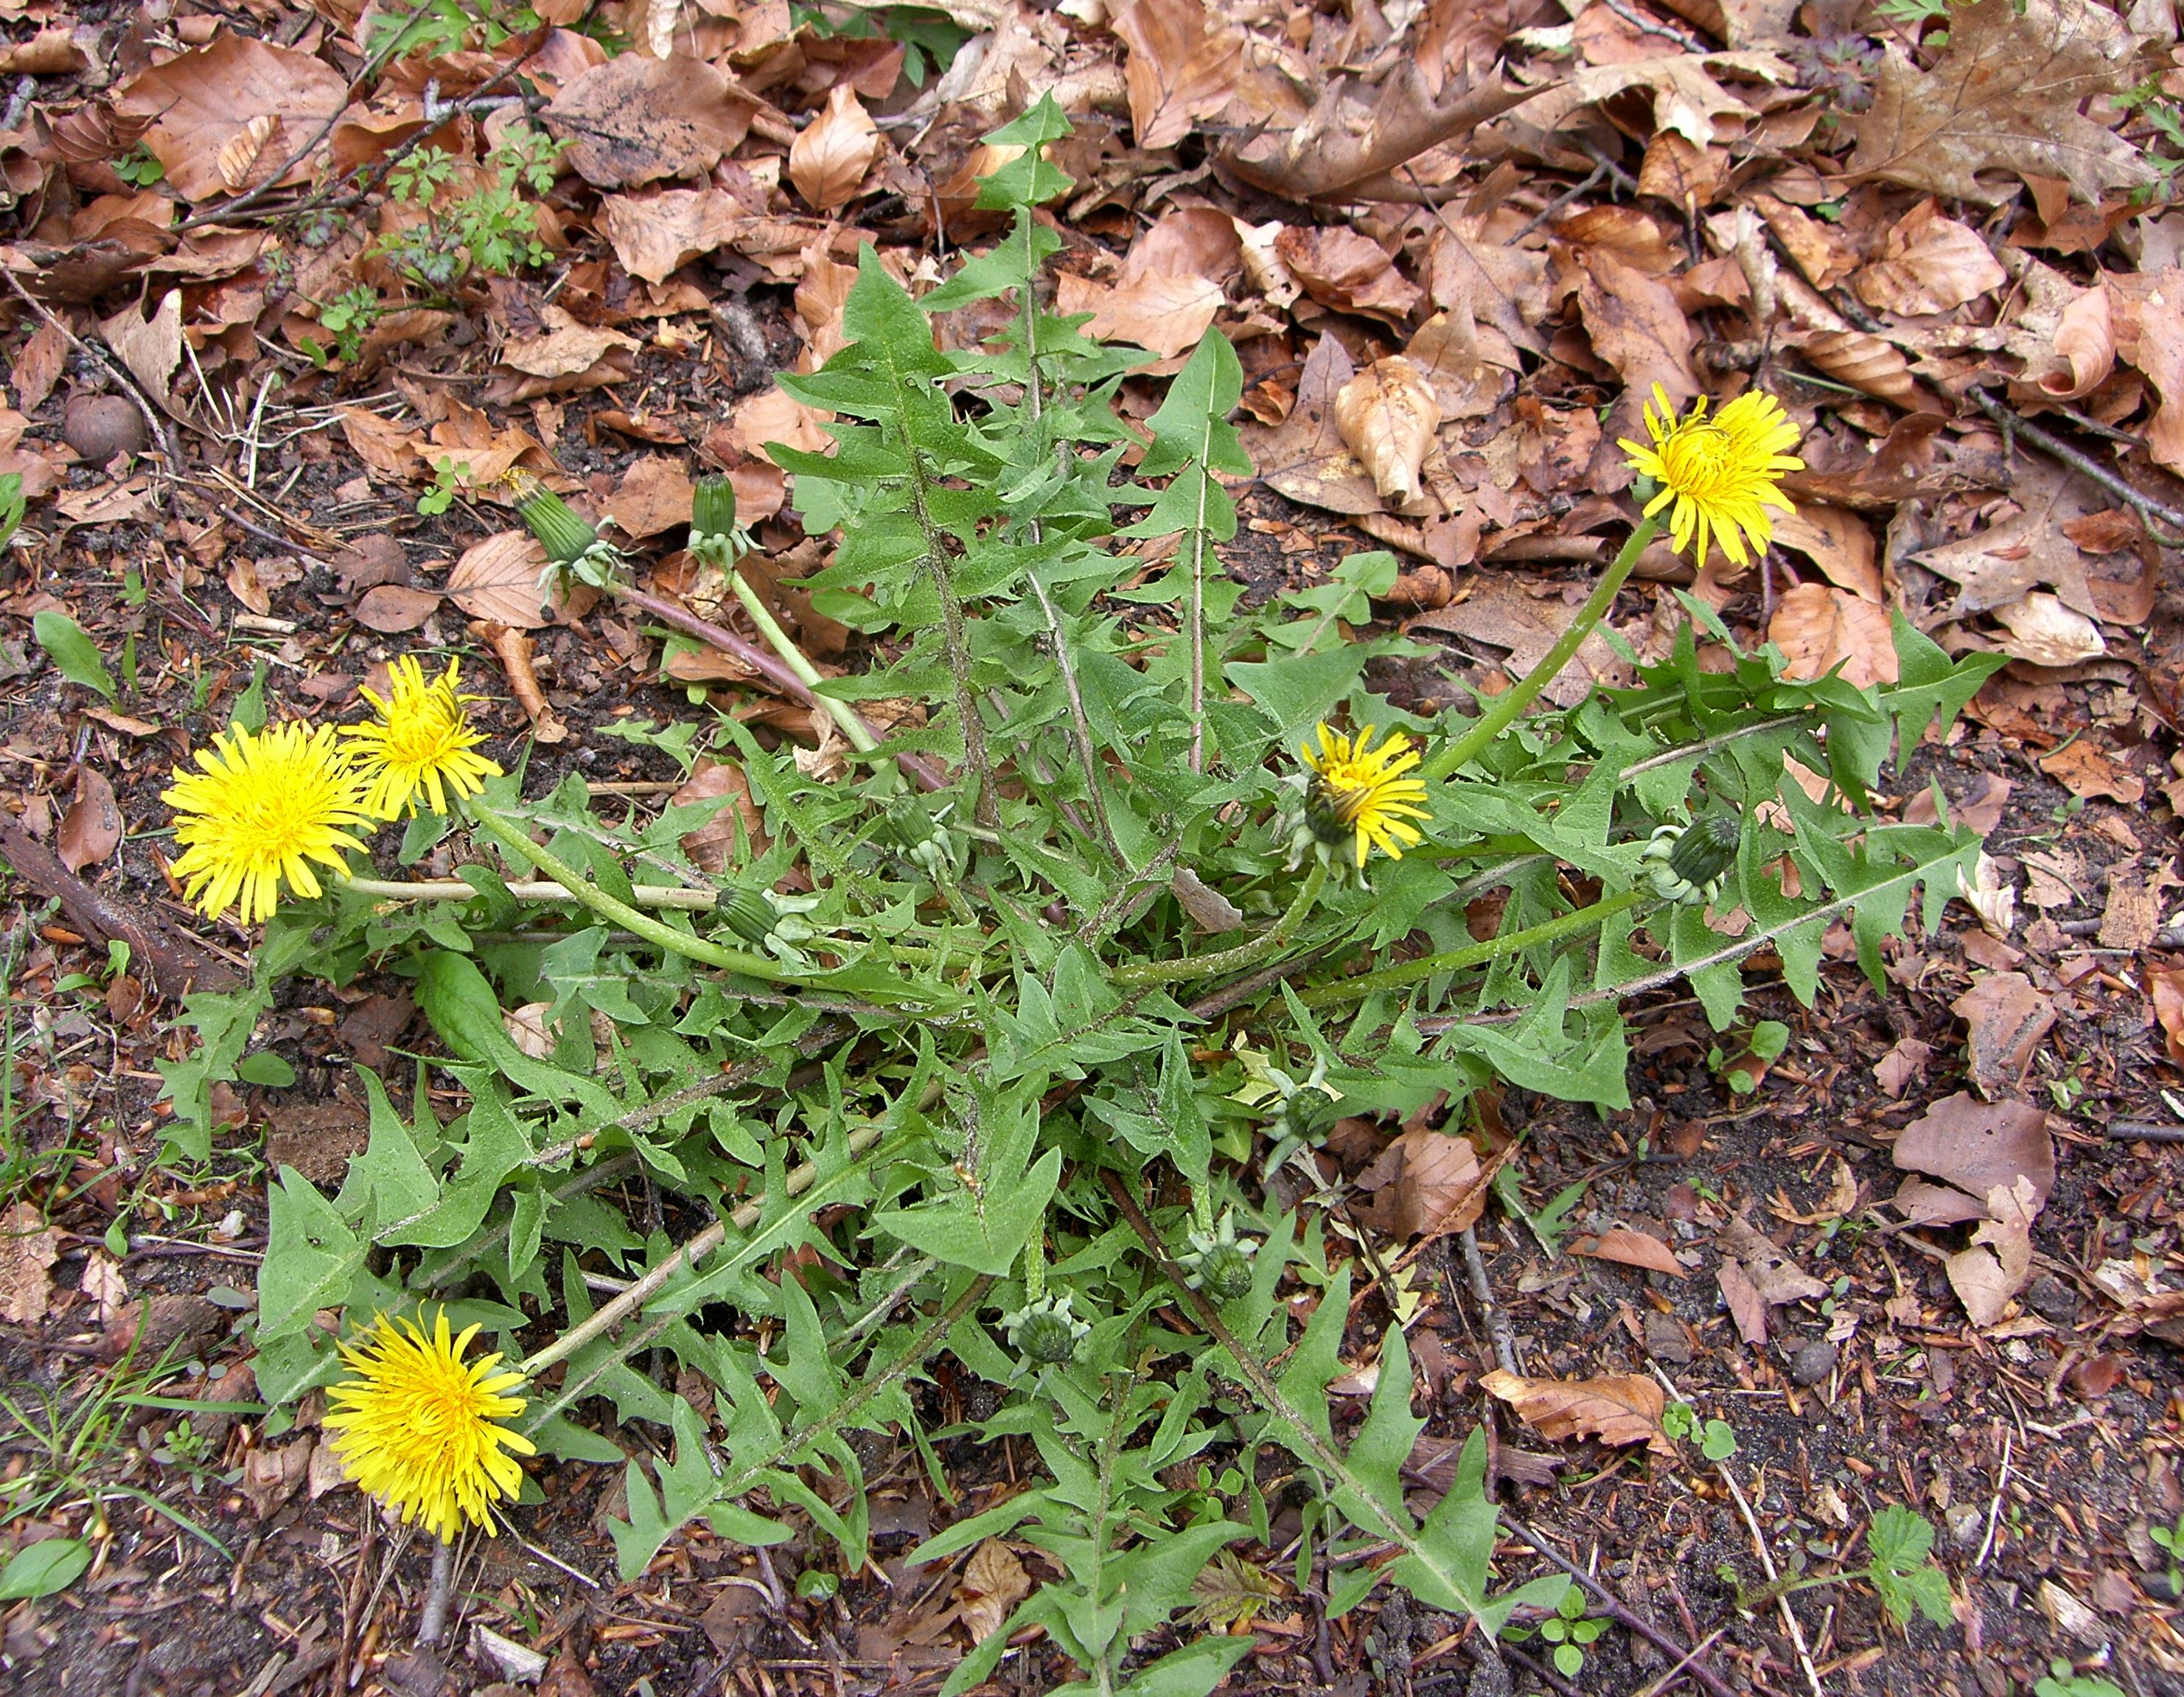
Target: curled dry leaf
<point>1769,1269</point>
<point>1425,1182</point>
<point>1178,71</point>
<point>653,234</point>
<point>2085,348</point>
<point>390,608</point>
<point>1350,273</point>
<point>1977,1145</point>
<point>513,649</point>
<point>2165,986</point>
<point>715,845</point>
<point>1164,311</point>
<point>2044,631</point>
<point>1631,1248</point>
<point>1620,1411</point>
<point>1208,908</point>
<point>1928,264</point>
<point>1819,626</point>
<point>993,1582</point>
<point>1388,415</point>
<point>91,830</point>
<point>1999,1263</point>
<point>1865,362</point>
<point>829,159</point>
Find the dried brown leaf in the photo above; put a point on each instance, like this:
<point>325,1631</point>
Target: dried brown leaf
<point>2043,630</point>
<point>497,580</point>
<point>2007,94</point>
<point>1998,1263</point>
<point>714,845</point>
<point>637,118</point>
<point>1631,1248</point>
<point>91,830</point>
<point>1818,627</point>
<point>201,101</point>
<point>829,158</point>
<point>1165,311</point>
<point>2008,1016</point>
<point>1636,326</point>
<point>1341,268</point>
<point>1772,1273</point>
<point>1977,1145</point>
<point>1180,68</point>
<point>1839,544</point>
<point>1425,1182</point>
<point>1928,264</point>
<point>2164,987</point>
<point>993,1582</point>
<point>28,1248</point>
<point>391,608</point>
<point>1620,1411</point>
<point>653,234</point>
<point>1388,413</point>
<point>1747,1307</point>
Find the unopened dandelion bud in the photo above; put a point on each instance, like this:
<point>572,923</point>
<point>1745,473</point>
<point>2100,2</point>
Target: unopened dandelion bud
<point>1225,1273</point>
<point>712,512</point>
<point>1705,851</point>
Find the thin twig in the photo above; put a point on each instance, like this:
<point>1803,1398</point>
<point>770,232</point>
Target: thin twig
<point>2144,1131</point>
<point>1677,1672</point>
<point>2054,447</point>
<point>1497,1324</point>
<point>1773,1577</point>
<point>1994,1508</point>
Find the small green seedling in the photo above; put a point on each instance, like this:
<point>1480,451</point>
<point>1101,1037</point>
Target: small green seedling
<point>2172,1539</point>
<point>1717,1438</point>
<point>2063,1681</point>
<point>1570,1630</point>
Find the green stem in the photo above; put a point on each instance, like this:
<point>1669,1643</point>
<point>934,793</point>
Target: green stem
<point>1478,954</point>
<point>673,895</point>
<point>1229,960</point>
<point>1508,708</point>
<point>853,728</point>
<point>698,949</point>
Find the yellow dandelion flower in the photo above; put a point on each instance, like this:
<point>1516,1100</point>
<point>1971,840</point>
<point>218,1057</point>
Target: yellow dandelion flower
<point>415,1428</point>
<point>421,741</point>
<point>1722,473</point>
<point>1356,787</point>
<point>261,806</point>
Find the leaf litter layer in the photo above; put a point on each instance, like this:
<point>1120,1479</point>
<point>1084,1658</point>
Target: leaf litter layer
<point>1034,1015</point>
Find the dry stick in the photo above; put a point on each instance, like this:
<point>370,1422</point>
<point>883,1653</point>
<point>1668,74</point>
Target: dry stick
<point>1497,1324</point>
<point>153,421</point>
<point>2055,448</point>
<point>1676,1673</point>
<point>1767,1562</point>
<point>2149,1130</point>
<point>1623,1613</point>
<point>769,667</point>
<point>1994,1508</point>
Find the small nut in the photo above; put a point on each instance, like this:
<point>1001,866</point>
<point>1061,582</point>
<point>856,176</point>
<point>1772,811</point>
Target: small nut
<point>100,426</point>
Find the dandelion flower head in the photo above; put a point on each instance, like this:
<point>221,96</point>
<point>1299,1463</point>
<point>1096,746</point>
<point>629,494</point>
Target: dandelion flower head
<point>1358,789</point>
<point>1721,474</point>
<point>415,1428</point>
<point>260,807</point>
<point>422,742</point>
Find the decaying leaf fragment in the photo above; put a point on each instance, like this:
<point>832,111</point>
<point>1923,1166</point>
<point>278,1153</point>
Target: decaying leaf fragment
<point>1622,1409</point>
<point>1388,413</point>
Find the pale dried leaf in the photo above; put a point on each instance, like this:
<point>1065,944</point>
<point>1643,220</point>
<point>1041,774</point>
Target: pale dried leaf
<point>28,1246</point>
<point>1638,327</point>
<point>498,580</point>
<point>198,102</point>
<point>241,150</point>
<point>1928,264</point>
<point>1687,100</point>
<point>1998,1263</point>
<point>1425,1182</point>
<point>1178,71</point>
<point>1838,543</point>
<point>2160,353</point>
<point>2084,345</point>
<point>104,1284</point>
<point>2045,632</point>
<point>1991,895</point>
<point>1747,1307</point>
<point>715,845</point>
<point>1901,1067</point>
<point>1619,1410</point>
<point>1631,1248</point>
<point>1346,271</point>
<point>1164,311</point>
<point>653,234</point>
<point>151,348</point>
<point>563,348</point>
<point>1388,413</point>
<point>829,158</point>
<point>2006,94</point>
<point>656,496</point>
<point>1772,1273</point>
<point>1818,626</point>
<point>392,608</point>
<point>993,1582</point>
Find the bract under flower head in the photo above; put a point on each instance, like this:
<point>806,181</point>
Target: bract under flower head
<point>422,742</point>
<point>416,1429</point>
<point>1358,789</point>
<point>260,807</point>
<point>1718,476</point>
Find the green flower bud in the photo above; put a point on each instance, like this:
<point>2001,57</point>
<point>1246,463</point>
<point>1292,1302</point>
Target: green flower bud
<point>713,511</point>
<point>1045,1331</point>
<point>561,531</point>
<point>1705,852</point>
<point>1225,1272</point>
<point>749,915</point>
